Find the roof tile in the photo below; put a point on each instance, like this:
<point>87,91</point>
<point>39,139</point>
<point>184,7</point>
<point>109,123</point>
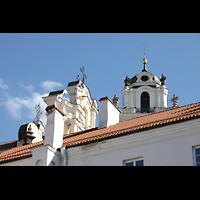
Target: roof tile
<point>137,124</point>
<point>126,127</point>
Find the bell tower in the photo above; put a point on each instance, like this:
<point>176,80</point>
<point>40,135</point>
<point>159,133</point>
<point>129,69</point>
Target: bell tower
<point>81,109</point>
<point>143,94</point>
<point>70,115</point>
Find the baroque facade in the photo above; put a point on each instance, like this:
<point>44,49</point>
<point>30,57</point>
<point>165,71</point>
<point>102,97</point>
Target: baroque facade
<point>144,132</point>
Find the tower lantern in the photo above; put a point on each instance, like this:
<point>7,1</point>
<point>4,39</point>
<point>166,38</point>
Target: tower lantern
<point>144,93</point>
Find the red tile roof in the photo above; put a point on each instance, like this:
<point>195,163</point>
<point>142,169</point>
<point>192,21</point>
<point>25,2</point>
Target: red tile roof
<point>135,125</point>
<point>18,152</point>
<point>8,145</point>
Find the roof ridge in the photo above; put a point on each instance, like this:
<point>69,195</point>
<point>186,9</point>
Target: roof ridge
<point>79,132</point>
<point>21,148</point>
<point>12,141</point>
<point>170,108</point>
<point>162,119</point>
<point>145,125</point>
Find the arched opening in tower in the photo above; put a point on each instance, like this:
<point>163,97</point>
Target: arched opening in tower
<point>145,102</point>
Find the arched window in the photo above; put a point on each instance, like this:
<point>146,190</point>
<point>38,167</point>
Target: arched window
<point>145,102</point>
<point>39,163</point>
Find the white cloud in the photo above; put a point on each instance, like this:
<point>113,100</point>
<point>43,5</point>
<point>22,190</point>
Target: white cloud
<point>50,85</point>
<point>14,108</point>
<point>25,107</point>
<point>27,87</point>
<point>2,84</point>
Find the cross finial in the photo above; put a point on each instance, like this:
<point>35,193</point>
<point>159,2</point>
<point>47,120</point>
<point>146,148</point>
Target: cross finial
<point>144,61</point>
<point>144,51</point>
<point>38,112</point>
<point>83,73</point>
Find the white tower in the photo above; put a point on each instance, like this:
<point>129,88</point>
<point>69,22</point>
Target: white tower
<point>81,110</point>
<point>143,94</point>
<point>77,114</point>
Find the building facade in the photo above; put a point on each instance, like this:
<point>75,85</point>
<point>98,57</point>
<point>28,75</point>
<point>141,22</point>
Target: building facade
<point>145,132</point>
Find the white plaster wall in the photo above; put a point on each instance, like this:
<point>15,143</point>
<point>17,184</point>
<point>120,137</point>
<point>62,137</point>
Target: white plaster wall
<point>169,145</point>
<point>109,115</point>
<point>46,155</point>
<point>54,129</point>
<point>126,103</point>
<point>158,97</point>
<point>21,162</point>
<point>126,116</point>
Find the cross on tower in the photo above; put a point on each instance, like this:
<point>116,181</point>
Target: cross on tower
<point>38,112</point>
<point>144,61</point>
<point>84,75</point>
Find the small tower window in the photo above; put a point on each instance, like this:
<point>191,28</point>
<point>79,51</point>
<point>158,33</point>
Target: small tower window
<point>145,102</point>
<point>144,78</point>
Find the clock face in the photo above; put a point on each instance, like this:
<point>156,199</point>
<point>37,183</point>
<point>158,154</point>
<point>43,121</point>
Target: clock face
<point>144,78</point>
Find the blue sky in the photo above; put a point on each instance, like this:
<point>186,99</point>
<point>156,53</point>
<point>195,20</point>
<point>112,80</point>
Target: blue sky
<point>34,64</point>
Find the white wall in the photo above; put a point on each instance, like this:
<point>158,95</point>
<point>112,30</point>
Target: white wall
<point>45,156</point>
<point>21,162</point>
<point>109,114</point>
<point>54,129</point>
<point>169,145</point>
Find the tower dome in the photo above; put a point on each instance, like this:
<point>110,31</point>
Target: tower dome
<point>144,93</point>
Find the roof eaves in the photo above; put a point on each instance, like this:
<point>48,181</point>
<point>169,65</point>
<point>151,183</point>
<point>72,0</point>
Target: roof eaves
<point>132,130</point>
<point>15,158</point>
<point>18,152</point>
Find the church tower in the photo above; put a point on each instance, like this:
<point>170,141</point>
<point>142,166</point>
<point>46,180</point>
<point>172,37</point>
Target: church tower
<point>67,116</point>
<point>81,109</point>
<point>143,94</point>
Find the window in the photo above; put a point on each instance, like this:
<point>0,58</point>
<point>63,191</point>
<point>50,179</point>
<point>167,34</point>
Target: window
<point>145,103</point>
<point>144,78</point>
<point>197,156</point>
<point>134,162</point>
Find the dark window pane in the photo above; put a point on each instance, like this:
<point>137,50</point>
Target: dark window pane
<point>197,151</point>
<point>197,158</point>
<point>139,163</point>
<point>198,164</point>
<point>129,164</point>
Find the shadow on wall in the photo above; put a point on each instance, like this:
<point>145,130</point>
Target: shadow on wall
<point>48,156</point>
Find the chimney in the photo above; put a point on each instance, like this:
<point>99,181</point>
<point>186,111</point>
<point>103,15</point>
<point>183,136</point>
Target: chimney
<point>55,121</point>
<point>109,114</point>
